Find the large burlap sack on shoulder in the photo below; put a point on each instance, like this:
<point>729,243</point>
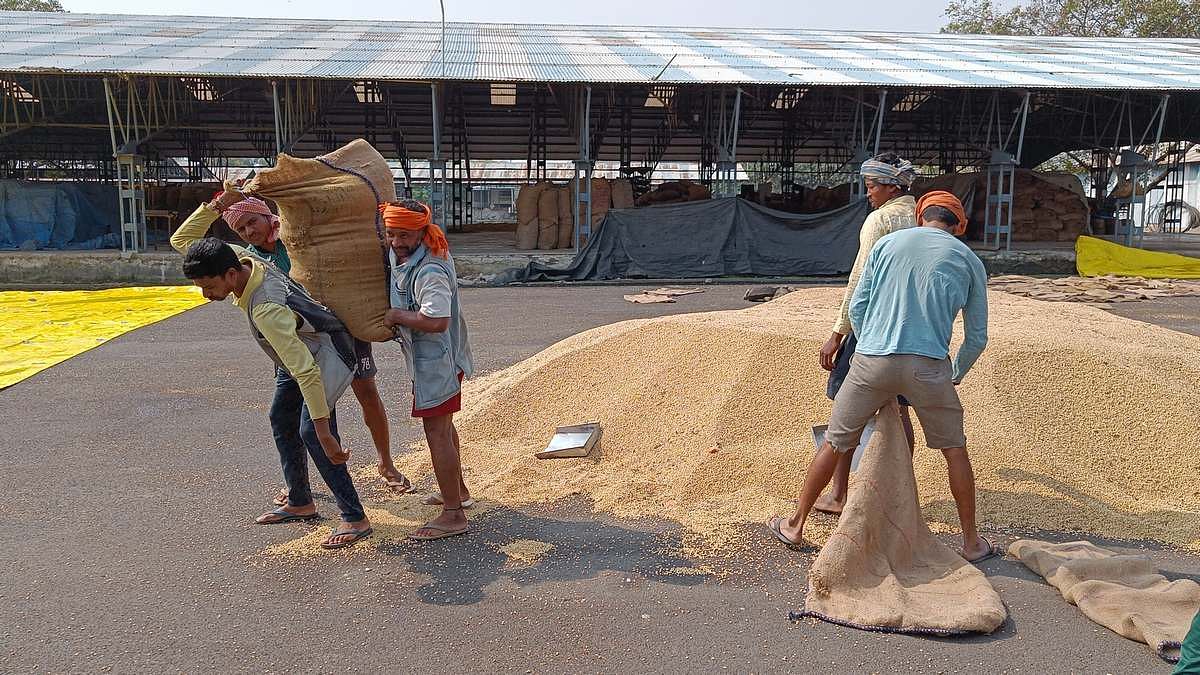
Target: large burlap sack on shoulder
<point>1124,593</point>
<point>333,231</point>
<point>527,216</point>
<point>566,217</point>
<point>548,218</point>
<point>882,569</point>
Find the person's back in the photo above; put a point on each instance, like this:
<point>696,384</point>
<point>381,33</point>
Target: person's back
<point>916,283</point>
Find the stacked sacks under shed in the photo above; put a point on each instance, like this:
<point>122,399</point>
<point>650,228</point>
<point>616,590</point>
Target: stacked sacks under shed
<point>566,218</point>
<point>622,194</point>
<point>548,215</point>
<point>1046,206</point>
<point>527,216</point>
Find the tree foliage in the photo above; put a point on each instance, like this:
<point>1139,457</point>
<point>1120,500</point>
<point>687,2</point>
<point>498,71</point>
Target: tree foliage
<point>1077,18</point>
<point>32,5</point>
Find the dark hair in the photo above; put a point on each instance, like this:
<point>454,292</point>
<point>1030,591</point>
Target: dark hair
<point>411,204</point>
<point>209,257</point>
<point>889,158</point>
<point>940,214</point>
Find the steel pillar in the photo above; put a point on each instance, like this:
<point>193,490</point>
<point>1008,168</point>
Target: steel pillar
<point>582,208</point>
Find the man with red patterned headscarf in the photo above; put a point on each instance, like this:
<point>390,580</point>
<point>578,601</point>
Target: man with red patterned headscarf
<point>430,328</point>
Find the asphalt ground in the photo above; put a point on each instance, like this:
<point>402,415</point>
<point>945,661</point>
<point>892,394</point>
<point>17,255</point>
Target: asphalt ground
<point>134,471</point>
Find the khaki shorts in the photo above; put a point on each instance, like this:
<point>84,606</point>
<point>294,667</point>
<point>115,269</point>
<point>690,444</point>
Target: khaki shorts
<point>873,381</point>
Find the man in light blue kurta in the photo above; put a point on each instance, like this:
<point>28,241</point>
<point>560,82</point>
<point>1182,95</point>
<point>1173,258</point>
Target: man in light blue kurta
<point>914,284</point>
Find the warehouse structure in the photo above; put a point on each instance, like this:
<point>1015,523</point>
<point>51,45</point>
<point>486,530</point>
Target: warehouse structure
<point>145,100</point>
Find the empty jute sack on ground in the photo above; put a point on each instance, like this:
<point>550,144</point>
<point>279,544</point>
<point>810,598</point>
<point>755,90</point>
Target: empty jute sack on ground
<point>1124,593</point>
<point>882,569</point>
<point>333,231</point>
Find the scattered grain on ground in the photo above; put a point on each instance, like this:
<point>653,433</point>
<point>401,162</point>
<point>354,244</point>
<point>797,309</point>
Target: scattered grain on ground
<point>1078,421</point>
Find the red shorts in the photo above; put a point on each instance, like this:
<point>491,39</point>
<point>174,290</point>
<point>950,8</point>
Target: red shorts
<point>449,406</point>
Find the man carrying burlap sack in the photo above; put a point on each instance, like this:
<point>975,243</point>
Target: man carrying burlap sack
<point>430,328</point>
<point>314,357</point>
<point>254,222</point>
<point>914,284</point>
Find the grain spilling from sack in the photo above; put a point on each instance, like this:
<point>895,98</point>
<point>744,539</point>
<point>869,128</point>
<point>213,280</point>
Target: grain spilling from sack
<point>1077,420</point>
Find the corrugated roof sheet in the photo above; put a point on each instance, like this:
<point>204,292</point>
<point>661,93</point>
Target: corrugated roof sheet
<point>405,50</point>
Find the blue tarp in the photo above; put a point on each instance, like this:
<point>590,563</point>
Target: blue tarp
<point>36,215</point>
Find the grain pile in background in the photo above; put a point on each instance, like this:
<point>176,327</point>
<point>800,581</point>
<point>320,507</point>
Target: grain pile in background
<point>1077,420</point>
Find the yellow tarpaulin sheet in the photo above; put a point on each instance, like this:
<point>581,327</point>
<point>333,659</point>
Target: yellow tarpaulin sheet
<point>39,329</point>
<point>1097,257</point>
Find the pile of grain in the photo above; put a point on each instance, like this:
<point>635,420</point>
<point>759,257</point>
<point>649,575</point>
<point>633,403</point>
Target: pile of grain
<point>525,552</point>
<point>1078,420</point>
<point>1094,290</point>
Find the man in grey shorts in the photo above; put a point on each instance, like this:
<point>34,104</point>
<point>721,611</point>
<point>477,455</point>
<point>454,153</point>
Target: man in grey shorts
<point>914,284</point>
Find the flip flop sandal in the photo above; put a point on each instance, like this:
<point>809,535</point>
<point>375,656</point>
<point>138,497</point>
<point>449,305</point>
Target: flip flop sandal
<point>443,533</point>
<point>993,552</point>
<point>775,526</point>
<point>357,535</point>
<point>400,487</point>
<point>435,499</point>
<point>285,517</point>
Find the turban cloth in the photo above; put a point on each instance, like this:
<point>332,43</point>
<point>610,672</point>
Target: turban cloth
<point>251,206</point>
<point>397,217</point>
<point>882,172</point>
<point>948,202</point>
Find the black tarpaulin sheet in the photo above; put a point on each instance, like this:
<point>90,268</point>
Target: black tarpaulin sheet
<point>711,238</point>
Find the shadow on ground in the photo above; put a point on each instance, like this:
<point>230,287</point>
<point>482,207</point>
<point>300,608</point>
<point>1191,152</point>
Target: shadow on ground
<point>461,568</point>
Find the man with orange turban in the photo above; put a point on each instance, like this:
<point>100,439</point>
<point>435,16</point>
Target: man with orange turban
<point>432,332</point>
<point>914,284</point>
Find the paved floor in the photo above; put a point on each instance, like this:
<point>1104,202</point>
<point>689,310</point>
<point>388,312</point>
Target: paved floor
<point>132,472</point>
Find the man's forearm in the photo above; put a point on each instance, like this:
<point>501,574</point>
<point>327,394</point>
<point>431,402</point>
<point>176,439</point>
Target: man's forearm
<point>417,321</point>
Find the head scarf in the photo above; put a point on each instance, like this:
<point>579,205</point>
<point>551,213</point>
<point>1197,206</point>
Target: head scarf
<point>947,201</point>
<point>251,206</point>
<point>882,172</point>
<point>398,217</point>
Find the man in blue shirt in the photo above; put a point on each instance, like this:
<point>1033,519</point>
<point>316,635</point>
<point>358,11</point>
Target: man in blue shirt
<point>913,286</point>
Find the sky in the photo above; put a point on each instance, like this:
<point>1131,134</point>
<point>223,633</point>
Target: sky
<point>890,15</point>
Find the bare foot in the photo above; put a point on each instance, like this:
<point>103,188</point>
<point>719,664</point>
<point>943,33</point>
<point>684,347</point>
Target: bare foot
<point>827,504</point>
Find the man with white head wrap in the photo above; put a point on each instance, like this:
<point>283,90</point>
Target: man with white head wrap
<point>888,179</point>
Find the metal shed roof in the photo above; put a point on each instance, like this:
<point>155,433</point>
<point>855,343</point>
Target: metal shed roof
<point>405,50</point>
